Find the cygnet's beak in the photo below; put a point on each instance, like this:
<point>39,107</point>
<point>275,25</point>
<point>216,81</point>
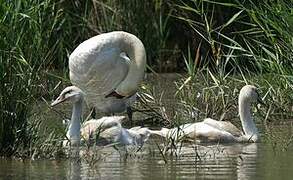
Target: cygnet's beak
<point>58,101</point>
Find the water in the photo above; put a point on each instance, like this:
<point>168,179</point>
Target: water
<point>270,159</point>
<point>231,161</point>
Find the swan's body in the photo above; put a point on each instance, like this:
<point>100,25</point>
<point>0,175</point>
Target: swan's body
<point>108,129</point>
<point>211,130</point>
<point>108,69</point>
<point>100,126</point>
<point>205,131</point>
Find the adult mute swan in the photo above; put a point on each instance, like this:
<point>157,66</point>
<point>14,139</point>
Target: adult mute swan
<point>108,68</point>
<point>107,128</point>
<point>211,130</point>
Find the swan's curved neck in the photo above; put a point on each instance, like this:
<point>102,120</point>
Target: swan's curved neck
<point>247,122</point>
<point>73,132</point>
<point>134,48</point>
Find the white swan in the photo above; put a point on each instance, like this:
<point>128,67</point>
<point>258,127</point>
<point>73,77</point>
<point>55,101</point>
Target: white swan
<point>108,128</point>
<point>211,130</point>
<point>108,69</point>
<point>75,95</point>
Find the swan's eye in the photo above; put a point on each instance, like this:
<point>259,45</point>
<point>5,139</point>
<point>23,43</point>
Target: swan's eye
<point>68,92</point>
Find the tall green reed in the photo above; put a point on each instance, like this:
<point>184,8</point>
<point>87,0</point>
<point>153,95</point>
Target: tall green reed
<point>241,35</point>
<point>34,39</point>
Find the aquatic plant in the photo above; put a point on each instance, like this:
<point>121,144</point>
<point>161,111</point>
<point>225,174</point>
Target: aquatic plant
<point>30,43</point>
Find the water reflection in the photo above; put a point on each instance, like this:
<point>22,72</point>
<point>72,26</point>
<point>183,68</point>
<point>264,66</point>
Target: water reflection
<point>237,161</point>
<point>74,172</point>
<point>230,161</point>
<point>246,163</point>
<point>218,161</point>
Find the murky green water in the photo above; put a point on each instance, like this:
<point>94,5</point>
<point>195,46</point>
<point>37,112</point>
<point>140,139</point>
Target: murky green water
<point>269,160</point>
<point>234,161</point>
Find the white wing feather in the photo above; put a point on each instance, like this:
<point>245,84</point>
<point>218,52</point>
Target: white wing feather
<point>97,67</point>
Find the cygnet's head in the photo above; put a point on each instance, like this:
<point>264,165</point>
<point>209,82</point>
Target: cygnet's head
<point>71,93</point>
<point>249,93</point>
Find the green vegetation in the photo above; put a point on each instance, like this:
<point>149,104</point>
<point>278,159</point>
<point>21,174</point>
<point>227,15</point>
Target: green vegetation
<point>220,44</point>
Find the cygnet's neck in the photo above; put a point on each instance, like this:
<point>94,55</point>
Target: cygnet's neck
<point>248,125</point>
<point>73,132</point>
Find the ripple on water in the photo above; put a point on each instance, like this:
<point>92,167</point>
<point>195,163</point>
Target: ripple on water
<point>233,161</point>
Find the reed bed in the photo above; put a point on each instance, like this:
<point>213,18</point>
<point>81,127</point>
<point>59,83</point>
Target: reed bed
<point>219,44</point>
